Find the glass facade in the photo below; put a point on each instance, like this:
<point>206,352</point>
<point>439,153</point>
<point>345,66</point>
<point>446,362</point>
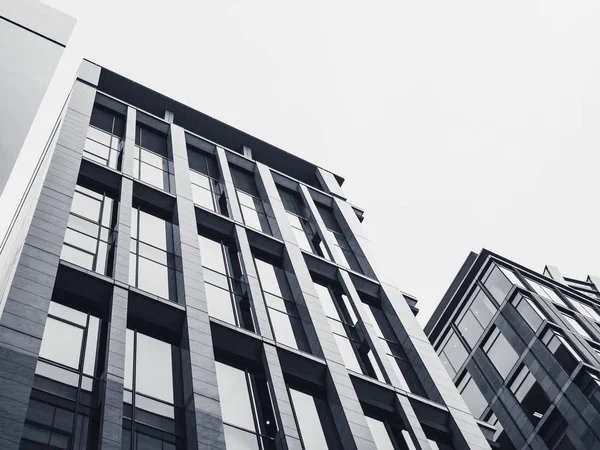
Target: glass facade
<point>500,353</point>
<point>90,237</point>
<point>63,408</point>
<point>207,189</point>
<point>152,258</point>
<point>251,204</point>
<point>298,216</point>
<point>282,309</point>
<point>152,415</point>
<point>476,317</point>
<point>225,292</point>
<point>104,142</point>
<point>151,158</point>
<point>248,417</point>
<point>343,250</point>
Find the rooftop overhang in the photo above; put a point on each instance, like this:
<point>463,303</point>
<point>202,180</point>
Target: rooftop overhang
<point>208,127</point>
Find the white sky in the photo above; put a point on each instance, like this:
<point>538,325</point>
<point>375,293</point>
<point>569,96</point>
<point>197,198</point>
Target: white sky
<point>457,124</point>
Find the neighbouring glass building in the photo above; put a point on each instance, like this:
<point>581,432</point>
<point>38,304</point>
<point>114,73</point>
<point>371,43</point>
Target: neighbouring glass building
<point>185,285</point>
<point>523,349</point>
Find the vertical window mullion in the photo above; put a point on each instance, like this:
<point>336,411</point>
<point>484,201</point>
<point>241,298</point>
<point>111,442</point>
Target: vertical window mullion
<point>133,388</point>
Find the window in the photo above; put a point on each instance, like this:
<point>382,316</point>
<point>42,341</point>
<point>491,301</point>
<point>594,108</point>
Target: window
<point>529,394</point>
<point>564,353</point>
<point>248,418</point>
<point>152,262</point>
<point>500,353</point>
<point>473,397</point>
<point>388,436</point>
<point>314,420</point>
<point>546,292</point>
<point>104,142</point>
<point>453,354</point>
<point>345,254</point>
<point>151,162</point>
<point>63,404</point>
<point>529,311</point>
<point>476,317</point>
<point>225,294</point>
<point>283,312</point>
<point>342,321</point>
<point>576,326</point>
<point>152,413</point>
<point>306,236</point>
<point>585,309</point>
<point>253,208</point>
<point>499,281</point>
<point>90,236</point>
<point>207,190</point>
<point>400,363</point>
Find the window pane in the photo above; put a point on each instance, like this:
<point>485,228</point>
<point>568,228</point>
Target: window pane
<point>348,353</point>
<point>482,308</point>
<point>497,284</point>
<point>211,253</point>
<point>219,304</point>
<point>586,310</point>
<point>203,197</point>
<point>153,277</point>
<point>470,328</point>
<point>327,302</point>
<point>153,230</point>
<point>380,434</point>
<point>61,343</point>
<point>546,291</point>
<point>251,218</point>
<point>502,355</point>
<point>302,240</point>
<point>234,396</point>
<point>128,377</point>
<point>152,175</point>
<point>78,257</point>
<point>474,399</point>
<point>240,440</point>
<point>154,368</point>
<point>308,420</point>
<point>530,312</point>
<point>455,352</point>
<point>268,277</point>
<point>70,314</point>
<point>576,326</point>
<point>86,206</point>
<point>283,328</point>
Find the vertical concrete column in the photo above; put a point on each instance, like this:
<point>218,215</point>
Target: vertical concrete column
<point>368,330</point>
<point>112,407</point>
<point>251,278</point>
<point>129,143</point>
<point>329,183</point>
<point>426,363</point>
<point>232,200</point>
<point>287,437</point>
<point>347,412</point>
<point>25,311</point>
<point>204,424</point>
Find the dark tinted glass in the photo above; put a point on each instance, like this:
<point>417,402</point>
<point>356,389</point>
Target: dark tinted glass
<point>203,162</point>
<point>329,218</point>
<point>291,201</point>
<point>152,140</point>
<point>244,181</point>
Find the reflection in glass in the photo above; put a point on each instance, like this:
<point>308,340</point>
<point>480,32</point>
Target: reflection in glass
<point>90,236</point>
<point>309,421</point>
<point>152,412</point>
<point>152,259</point>
<point>246,408</point>
<point>343,250</point>
<point>501,353</point>
<point>63,406</point>
<point>283,312</point>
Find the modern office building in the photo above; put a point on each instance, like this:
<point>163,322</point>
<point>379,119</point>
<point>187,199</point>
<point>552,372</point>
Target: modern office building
<point>185,285</point>
<point>523,349</point>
